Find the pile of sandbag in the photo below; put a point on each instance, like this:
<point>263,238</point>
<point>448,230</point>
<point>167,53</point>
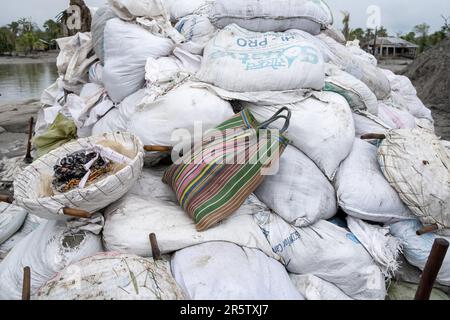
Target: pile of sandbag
<point>185,88</point>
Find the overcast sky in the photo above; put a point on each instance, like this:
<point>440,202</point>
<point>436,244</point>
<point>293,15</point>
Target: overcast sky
<point>396,15</point>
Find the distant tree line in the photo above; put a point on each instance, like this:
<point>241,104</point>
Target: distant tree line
<point>24,36</point>
<point>420,35</point>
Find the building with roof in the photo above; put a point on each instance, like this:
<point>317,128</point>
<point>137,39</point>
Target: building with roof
<point>390,47</point>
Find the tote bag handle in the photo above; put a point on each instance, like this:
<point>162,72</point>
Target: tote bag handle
<point>277,116</point>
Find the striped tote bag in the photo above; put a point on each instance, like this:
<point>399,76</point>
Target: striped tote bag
<point>220,172</point>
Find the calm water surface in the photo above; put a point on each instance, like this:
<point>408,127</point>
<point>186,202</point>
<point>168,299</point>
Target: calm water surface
<point>22,82</point>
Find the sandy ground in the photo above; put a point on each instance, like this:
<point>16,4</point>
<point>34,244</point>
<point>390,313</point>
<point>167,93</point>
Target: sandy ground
<point>14,120</point>
<point>43,57</point>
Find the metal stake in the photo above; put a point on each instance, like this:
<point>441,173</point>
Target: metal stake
<point>28,157</point>
<point>26,286</point>
<point>156,253</point>
<point>431,270</point>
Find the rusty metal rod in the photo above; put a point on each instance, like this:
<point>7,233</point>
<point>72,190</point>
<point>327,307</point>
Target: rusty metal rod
<point>158,148</point>
<point>427,229</point>
<point>431,270</point>
<point>26,285</point>
<point>28,157</point>
<point>6,198</point>
<point>156,253</point>
<point>373,136</point>
<point>76,213</point>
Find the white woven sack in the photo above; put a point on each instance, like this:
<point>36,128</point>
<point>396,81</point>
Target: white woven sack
<point>321,127</point>
<point>366,123</point>
<point>405,95</point>
<point>182,8</point>
<point>99,20</point>
<point>272,15</point>
<point>314,288</point>
<point>417,249</point>
<point>47,250</point>
<point>357,52</point>
<point>328,252</point>
<point>117,277</point>
<point>127,47</point>
<point>299,192</point>
<point>395,118</point>
<point>183,108</point>
<point>31,223</point>
<point>357,94</point>
<point>362,190</point>
<point>197,29</point>
<point>30,184</point>
<point>416,164</point>
<point>339,55</point>
<point>264,61</point>
<point>11,219</point>
<point>225,271</point>
<point>130,221</point>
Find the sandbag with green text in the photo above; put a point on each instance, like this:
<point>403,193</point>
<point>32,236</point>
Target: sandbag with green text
<point>213,180</point>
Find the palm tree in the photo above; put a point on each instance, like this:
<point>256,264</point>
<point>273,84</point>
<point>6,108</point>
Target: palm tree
<point>346,23</point>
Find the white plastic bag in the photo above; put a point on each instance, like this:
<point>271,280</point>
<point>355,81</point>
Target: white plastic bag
<point>117,277</point>
<point>299,192</point>
<point>183,109</point>
<point>362,190</point>
<point>31,187</point>
<point>321,127</point>
<point>328,252</point>
<point>272,15</point>
<point>417,249</point>
<point>225,271</point>
<point>125,59</point>
<point>384,248</point>
<point>264,61</point>
<point>416,164</point>
<point>47,250</point>
<point>74,60</point>
<point>87,108</point>
<point>11,219</point>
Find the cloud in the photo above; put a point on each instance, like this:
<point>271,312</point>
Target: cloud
<point>396,15</point>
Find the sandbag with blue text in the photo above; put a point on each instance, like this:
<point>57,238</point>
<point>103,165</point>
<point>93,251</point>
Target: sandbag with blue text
<point>263,61</point>
<point>327,251</point>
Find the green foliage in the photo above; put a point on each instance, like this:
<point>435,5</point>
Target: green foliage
<point>27,42</point>
<point>24,35</point>
<point>7,40</point>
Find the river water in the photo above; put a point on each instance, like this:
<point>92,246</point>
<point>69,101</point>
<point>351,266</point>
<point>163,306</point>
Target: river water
<point>22,82</point>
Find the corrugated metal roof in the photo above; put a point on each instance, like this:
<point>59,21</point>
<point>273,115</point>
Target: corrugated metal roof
<point>394,41</point>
